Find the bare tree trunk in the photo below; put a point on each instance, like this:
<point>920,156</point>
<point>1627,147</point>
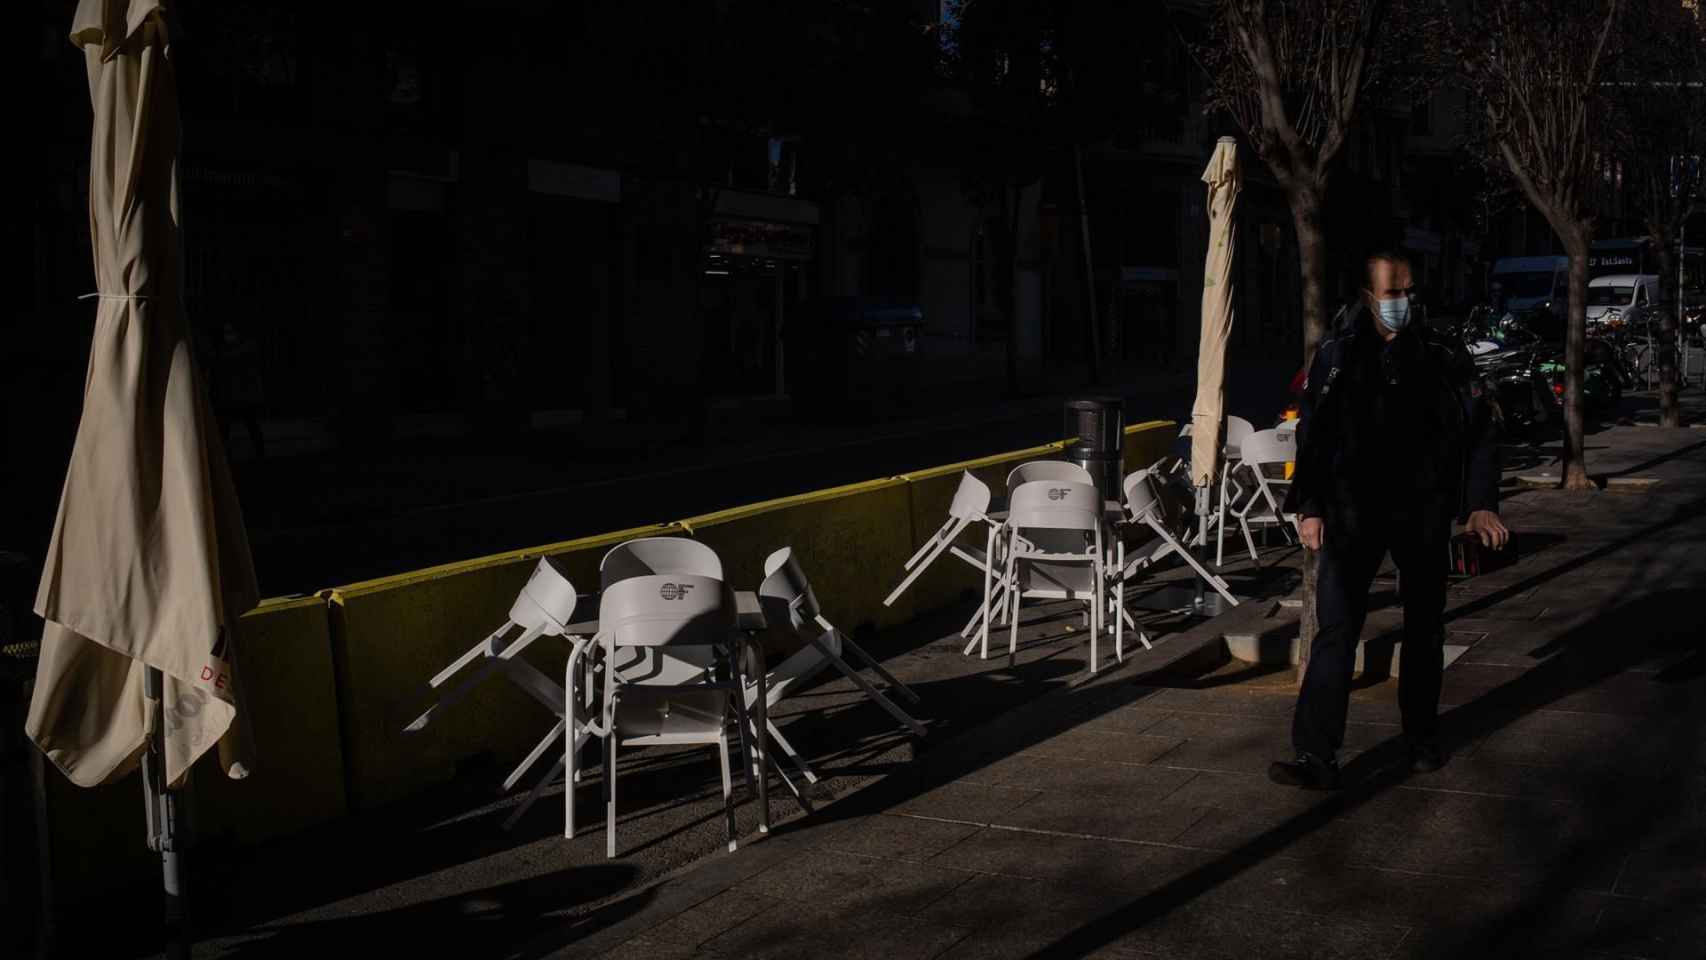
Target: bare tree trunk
<point>1305,201</point>
<point>1670,414</point>
<point>1575,344</point>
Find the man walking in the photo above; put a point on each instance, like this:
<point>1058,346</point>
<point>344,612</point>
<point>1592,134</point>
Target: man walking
<point>1394,443</point>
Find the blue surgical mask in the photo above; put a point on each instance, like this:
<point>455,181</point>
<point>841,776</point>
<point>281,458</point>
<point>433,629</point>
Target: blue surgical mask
<point>1394,314</point>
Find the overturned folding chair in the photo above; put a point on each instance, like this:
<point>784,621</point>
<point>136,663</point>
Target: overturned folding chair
<point>970,505</point>
<point>788,602</point>
<point>1143,508</point>
<point>543,608</point>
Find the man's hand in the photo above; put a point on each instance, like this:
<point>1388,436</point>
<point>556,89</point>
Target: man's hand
<point>1311,530</point>
<point>1487,525</point>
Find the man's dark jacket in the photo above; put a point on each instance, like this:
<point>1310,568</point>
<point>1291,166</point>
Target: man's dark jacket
<point>1357,472</point>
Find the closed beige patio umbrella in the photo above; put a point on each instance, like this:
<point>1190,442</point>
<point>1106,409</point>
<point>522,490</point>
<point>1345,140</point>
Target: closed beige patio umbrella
<point>148,568</point>
<point>1209,409</point>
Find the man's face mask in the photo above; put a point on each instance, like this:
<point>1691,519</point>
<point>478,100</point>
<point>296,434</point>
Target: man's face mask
<point>1394,315</point>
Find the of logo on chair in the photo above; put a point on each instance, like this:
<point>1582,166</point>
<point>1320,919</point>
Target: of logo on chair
<point>1058,493</point>
<point>674,591</point>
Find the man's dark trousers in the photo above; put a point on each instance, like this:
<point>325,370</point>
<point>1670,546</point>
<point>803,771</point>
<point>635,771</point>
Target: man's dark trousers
<point>1346,572</point>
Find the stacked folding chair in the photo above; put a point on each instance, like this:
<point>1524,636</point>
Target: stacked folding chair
<point>1053,547</point>
<point>674,668</point>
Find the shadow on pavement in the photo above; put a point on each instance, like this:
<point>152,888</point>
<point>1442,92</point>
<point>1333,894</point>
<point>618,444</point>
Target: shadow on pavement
<point>1597,650</point>
<point>493,921</point>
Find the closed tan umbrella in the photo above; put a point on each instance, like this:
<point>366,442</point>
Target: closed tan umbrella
<point>148,568</point>
<point>1210,407</point>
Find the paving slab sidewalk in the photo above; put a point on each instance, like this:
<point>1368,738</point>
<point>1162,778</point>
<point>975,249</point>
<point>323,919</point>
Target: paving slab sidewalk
<point>1131,816</point>
<point>1048,814</point>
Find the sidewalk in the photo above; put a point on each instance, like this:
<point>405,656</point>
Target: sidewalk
<point>1049,814</point>
<point>1131,817</point>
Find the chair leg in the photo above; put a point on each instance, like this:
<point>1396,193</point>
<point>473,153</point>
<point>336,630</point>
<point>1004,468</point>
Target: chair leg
<point>1249,542</point>
<point>793,788</point>
<point>866,687</point>
<point>761,745</point>
<point>870,661</point>
<point>570,768</point>
<point>610,796</point>
<point>1013,600</point>
<point>788,751</point>
<point>1119,606</point>
<point>988,575</point>
<point>993,601</point>
<point>746,758</point>
<point>728,789</point>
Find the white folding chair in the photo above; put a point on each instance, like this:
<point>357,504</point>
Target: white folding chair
<point>993,556</point>
<point>1143,508</point>
<point>683,679</point>
<point>543,608</point>
<point>1054,551</point>
<point>1231,491</point>
<point>970,505</point>
<point>788,602</point>
<point>1262,508</point>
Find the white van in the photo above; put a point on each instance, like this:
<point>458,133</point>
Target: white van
<point>1622,297</point>
<point>1520,284</point>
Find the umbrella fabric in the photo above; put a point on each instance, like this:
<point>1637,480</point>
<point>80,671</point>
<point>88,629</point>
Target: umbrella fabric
<point>148,564</point>
<point>1210,406</point>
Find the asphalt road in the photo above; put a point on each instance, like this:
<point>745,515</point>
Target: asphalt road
<point>316,522</point>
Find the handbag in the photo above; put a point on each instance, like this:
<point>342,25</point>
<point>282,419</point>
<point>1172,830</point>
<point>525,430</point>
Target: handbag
<point>1470,559</point>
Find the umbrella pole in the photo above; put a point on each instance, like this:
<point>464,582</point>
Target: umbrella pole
<point>1202,540</point>
<point>163,813</point>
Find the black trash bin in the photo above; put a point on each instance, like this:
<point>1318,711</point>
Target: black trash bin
<point>1096,427</point>
<point>854,358</point>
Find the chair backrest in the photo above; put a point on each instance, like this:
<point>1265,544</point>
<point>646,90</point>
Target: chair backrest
<point>1269,446</point>
<point>788,602</point>
<point>671,558</point>
<point>785,595</point>
<point>970,501</point>
<point>1058,471</point>
<point>1055,505</point>
<point>658,555</point>
<point>546,602</point>
<point>1237,429</point>
<point>1140,496</point>
<point>676,609</point>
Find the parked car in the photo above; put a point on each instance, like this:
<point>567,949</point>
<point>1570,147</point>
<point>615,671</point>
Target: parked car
<point>1622,299</point>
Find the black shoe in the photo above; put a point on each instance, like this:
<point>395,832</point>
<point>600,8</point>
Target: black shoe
<point>1307,771</point>
<point>1426,756</point>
